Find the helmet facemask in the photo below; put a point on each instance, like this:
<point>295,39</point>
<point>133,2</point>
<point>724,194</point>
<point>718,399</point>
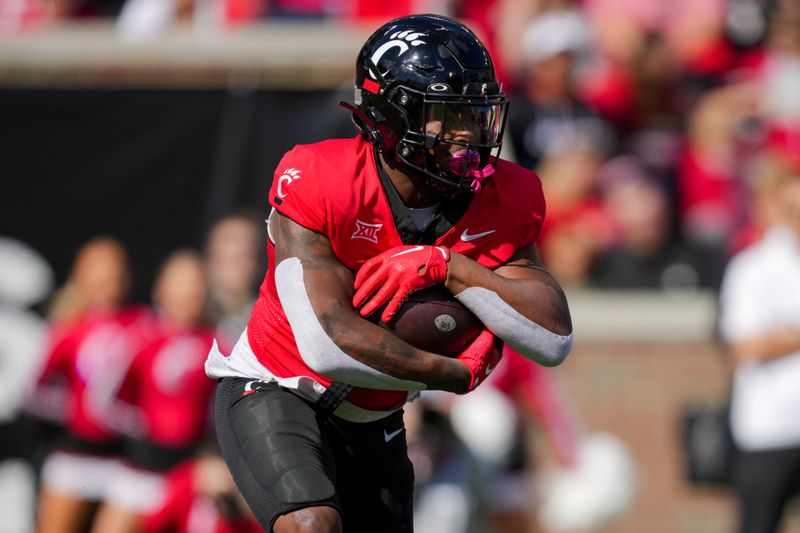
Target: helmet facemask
<point>453,140</point>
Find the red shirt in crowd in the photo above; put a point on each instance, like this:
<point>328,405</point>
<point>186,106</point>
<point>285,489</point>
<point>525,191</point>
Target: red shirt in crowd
<point>86,360</point>
<point>167,383</point>
<point>185,509</point>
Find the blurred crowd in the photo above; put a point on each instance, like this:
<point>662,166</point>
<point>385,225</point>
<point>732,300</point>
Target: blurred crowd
<point>108,402</point>
<point>660,130</point>
<point>654,125</point>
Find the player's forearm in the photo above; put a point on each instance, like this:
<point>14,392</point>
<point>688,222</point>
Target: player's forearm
<point>332,338</point>
<point>335,342</point>
<point>539,299</point>
<point>527,309</point>
<point>380,350</point>
<point>774,345</point>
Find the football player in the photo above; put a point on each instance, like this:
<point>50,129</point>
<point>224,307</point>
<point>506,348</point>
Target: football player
<point>309,405</point>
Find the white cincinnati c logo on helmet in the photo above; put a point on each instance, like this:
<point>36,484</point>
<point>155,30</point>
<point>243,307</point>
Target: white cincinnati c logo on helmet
<point>399,40</point>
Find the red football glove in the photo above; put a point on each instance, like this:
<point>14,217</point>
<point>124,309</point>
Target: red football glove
<point>480,358</point>
<point>397,272</point>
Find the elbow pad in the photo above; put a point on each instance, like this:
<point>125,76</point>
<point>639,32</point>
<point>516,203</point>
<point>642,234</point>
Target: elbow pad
<point>525,336</point>
<point>316,348</point>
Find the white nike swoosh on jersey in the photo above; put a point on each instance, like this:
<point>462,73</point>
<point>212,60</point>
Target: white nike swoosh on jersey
<point>466,237</point>
<point>389,436</point>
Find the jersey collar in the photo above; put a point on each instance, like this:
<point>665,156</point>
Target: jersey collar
<point>448,213</point>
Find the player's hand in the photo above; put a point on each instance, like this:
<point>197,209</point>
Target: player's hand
<point>480,358</point>
<point>395,273</point>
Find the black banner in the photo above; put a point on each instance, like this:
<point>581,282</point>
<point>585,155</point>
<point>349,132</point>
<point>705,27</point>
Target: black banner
<point>151,167</point>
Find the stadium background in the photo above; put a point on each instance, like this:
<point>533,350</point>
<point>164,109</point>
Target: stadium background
<point>151,141</point>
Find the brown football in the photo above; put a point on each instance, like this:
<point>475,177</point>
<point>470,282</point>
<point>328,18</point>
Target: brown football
<point>434,321</point>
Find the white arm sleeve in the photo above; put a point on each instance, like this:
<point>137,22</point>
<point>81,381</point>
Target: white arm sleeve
<point>317,349</point>
<point>526,337</point>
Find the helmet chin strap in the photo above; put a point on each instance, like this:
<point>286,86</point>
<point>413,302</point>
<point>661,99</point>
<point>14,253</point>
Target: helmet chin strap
<point>480,176</point>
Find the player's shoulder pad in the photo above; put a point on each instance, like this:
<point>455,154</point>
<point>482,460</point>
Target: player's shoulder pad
<point>311,169</point>
<point>296,173</point>
<point>521,185</point>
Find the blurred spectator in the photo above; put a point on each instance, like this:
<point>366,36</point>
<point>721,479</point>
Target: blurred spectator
<point>478,468</point>
<point>22,15</point>
<point>167,388</point>
<point>639,90</point>
<point>731,124</point>
<point>778,80</point>
<point>569,247</point>
<point>91,338</point>
<point>380,11</point>
<point>307,9</point>
<point>547,117</point>
<point>234,268</point>
<point>499,24</point>
<point>553,132</point>
<point>588,478</point>
<point>651,123</point>
<point>711,169</point>
<point>765,172</point>
<point>449,488</point>
<point>654,69</point>
<point>19,15</point>
<point>144,19</point>
<point>99,281</point>
<point>780,73</point>
<point>760,320</point>
<point>648,254</point>
<point>496,424</point>
<point>25,280</point>
<point>693,30</point>
<point>25,277</point>
<point>653,60</point>
<point>201,497</point>
<point>576,227</point>
<point>148,18</point>
<point>473,455</point>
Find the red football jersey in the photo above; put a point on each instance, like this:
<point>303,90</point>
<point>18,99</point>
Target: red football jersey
<point>167,383</point>
<point>89,356</point>
<point>333,188</point>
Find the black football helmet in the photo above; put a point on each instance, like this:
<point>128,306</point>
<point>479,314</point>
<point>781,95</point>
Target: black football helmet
<point>426,93</point>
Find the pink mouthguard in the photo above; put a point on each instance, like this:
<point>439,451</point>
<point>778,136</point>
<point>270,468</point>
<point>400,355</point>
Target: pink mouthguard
<point>466,164</point>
